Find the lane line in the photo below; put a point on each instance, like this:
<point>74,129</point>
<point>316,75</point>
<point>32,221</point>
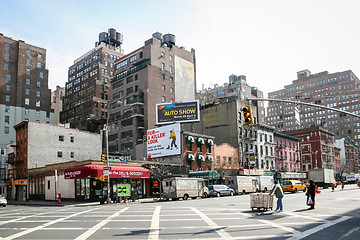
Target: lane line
<point>212,224</point>
<point>44,225</point>
<point>351,231</point>
<point>92,230</point>
<point>309,232</point>
<point>155,224</point>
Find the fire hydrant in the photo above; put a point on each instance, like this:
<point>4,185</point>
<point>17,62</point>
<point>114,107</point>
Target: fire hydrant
<point>58,197</point>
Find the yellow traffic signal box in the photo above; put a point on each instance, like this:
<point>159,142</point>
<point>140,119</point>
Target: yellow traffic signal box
<point>248,117</point>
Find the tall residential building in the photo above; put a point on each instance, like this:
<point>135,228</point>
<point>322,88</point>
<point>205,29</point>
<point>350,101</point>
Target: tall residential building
<point>158,72</point>
<point>57,102</point>
<point>87,91</point>
<point>24,92</point>
<point>337,90</point>
<point>237,88</point>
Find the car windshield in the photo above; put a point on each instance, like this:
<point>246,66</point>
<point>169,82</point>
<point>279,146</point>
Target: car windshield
<point>286,183</point>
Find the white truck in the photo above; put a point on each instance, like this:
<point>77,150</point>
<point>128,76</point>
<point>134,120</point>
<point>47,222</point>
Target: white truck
<point>243,184</point>
<point>179,187</point>
<point>322,177</point>
<point>266,183</point>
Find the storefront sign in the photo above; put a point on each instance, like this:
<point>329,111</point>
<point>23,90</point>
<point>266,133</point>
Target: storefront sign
<point>124,190</point>
<point>20,182</point>
<point>95,171</point>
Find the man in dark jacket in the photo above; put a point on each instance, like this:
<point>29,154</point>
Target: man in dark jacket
<point>311,195</point>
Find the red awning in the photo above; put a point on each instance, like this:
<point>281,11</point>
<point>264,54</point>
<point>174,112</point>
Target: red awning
<point>96,171</point>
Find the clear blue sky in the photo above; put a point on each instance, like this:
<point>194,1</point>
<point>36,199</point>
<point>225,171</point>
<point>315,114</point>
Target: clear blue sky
<point>268,41</point>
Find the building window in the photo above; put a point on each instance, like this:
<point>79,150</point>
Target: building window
<point>38,83</point>
<point>7,119</point>
<point>230,160</point>
<point>41,75</point>
<point>171,69</point>
<point>6,129</point>
<point>189,146</point>
<point>28,62</point>
<point>208,148</point>
<point>7,46</point>
<point>38,93</point>
<point>7,108</point>
<point>27,111</point>
<point>218,160</point>
<point>28,52</point>
<point>38,113</point>
<point>163,87</point>
<point>27,91</point>
<point>171,90</point>
<point>27,71</point>
<point>163,99</point>
<point>71,154</point>
<point>170,57</point>
<point>59,154</point>
<point>6,66</point>
<point>8,87</point>
<point>162,66</point>
<point>27,81</point>
<point>7,98</point>
<point>72,139</point>
<point>171,79</point>
<point>199,148</point>
<point>38,103</point>
<point>8,77</point>
<point>224,159</point>
<point>163,76</point>
<point>61,138</point>
<point>7,56</point>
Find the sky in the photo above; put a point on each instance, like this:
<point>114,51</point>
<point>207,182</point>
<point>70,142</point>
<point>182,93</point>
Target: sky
<point>268,41</point>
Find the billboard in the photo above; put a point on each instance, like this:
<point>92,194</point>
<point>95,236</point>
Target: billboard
<point>164,141</point>
<point>177,112</point>
<point>184,80</point>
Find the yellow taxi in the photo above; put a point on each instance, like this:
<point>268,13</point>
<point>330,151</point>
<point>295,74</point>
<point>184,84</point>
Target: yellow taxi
<point>293,186</point>
<point>358,183</point>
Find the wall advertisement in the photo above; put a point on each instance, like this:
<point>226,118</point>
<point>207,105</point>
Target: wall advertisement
<point>177,112</point>
<point>164,141</point>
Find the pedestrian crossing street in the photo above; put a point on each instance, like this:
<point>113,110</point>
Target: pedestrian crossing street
<point>160,222</point>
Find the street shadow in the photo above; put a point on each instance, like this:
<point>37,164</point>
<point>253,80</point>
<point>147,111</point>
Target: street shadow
<point>132,233</point>
<point>304,210</point>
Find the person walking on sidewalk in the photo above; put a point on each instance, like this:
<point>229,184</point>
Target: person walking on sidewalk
<point>311,195</point>
<point>279,194</point>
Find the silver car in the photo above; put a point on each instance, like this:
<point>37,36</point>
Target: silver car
<point>3,201</point>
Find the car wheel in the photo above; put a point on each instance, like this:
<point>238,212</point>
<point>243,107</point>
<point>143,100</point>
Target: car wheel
<point>231,193</point>
<point>186,197</point>
<point>243,192</point>
<point>265,189</point>
<point>218,194</point>
<point>295,190</point>
<point>205,195</point>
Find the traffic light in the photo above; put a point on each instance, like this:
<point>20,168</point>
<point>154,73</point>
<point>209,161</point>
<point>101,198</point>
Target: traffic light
<point>248,118</point>
<point>103,178</point>
<point>103,157</point>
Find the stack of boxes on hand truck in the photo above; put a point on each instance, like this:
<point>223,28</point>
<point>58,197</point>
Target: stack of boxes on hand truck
<point>261,201</point>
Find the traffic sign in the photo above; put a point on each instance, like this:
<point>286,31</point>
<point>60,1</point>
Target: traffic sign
<point>107,168</point>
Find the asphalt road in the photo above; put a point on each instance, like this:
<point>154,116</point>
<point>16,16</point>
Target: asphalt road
<point>336,217</point>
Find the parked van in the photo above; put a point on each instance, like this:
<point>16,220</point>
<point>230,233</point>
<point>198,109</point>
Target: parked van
<point>243,184</point>
<point>178,187</point>
<point>266,183</point>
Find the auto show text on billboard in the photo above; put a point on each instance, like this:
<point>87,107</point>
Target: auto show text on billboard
<point>164,141</point>
<point>177,112</point>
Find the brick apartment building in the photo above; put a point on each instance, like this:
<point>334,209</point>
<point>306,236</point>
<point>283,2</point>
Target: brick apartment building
<point>24,92</point>
<point>158,72</point>
<point>87,92</point>
<point>287,156</point>
<point>337,90</point>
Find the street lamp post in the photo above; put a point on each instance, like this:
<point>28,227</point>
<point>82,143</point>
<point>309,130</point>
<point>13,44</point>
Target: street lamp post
<point>106,129</point>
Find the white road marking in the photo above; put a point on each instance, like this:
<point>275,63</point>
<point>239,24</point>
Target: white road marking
<point>44,225</point>
<point>351,231</point>
<point>92,230</point>
<point>301,235</point>
<point>212,224</point>
<point>155,224</point>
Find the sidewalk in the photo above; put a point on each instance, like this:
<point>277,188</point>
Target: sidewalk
<point>72,203</point>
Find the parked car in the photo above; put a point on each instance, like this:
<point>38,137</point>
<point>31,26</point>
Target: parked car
<point>293,186</point>
<point>3,201</point>
<point>220,190</point>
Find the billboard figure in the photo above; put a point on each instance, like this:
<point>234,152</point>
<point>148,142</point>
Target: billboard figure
<point>173,141</point>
